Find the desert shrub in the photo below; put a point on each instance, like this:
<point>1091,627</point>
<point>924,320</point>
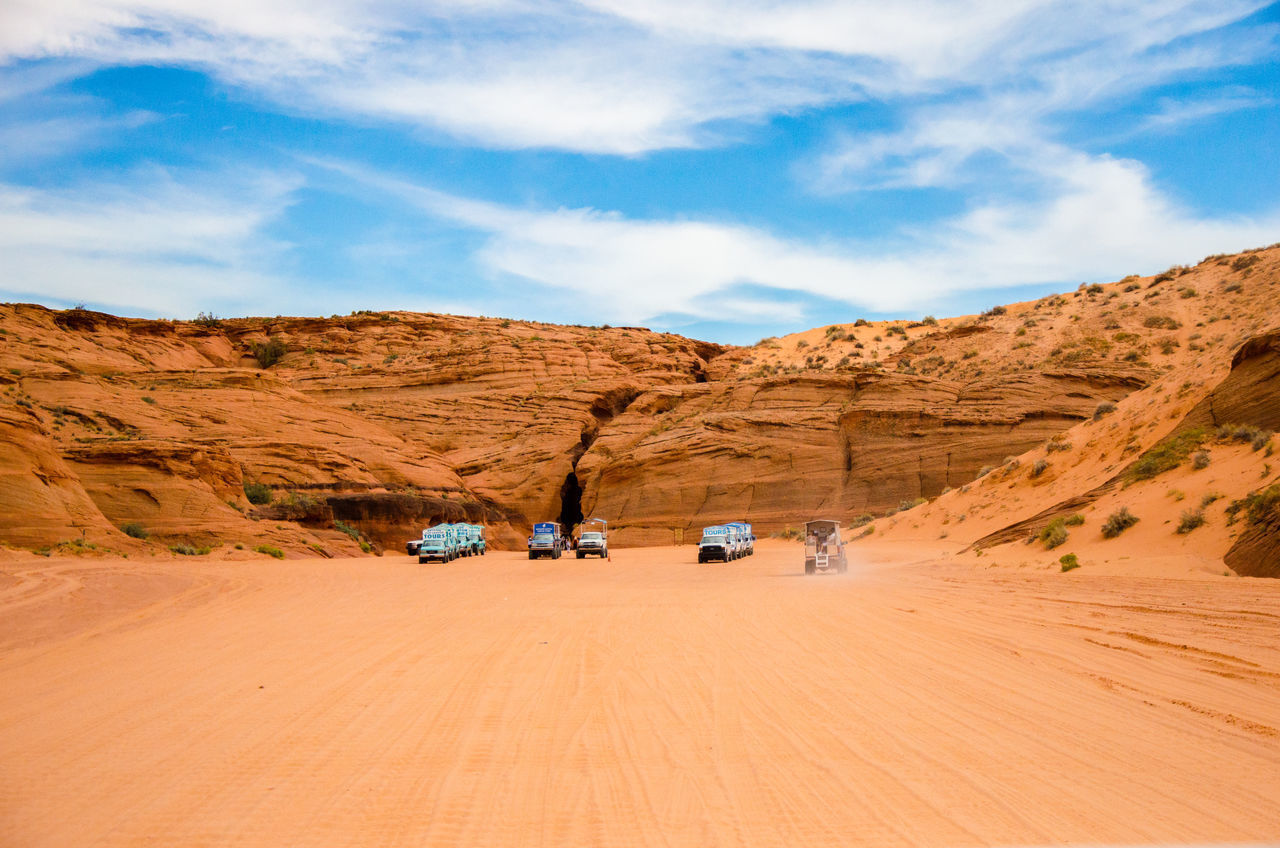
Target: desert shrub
<point>1040,466</point>
<point>1191,519</point>
<point>1242,262</point>
<point>135,530</point>
<point>1200,461</point>
<point>1074,520</point>
<point>1209,498</point>
<point>1167,454</point>
<point>207,319</point>
<point>1051,446</point>
<point>1132,287</point>
<point>1233,287</point>
<point>1259,507</point>
<point>1255,436</point>
<point>1054,534</point>
<point>365,546</point>
<point>802,344</point>
<point>1160,322</point>
<point>189,550</point>
<point>346,528</point>
<point>985,470</point>
<point>257,493</point>
<point>970,354</point>
<point>1104,408</point>
<point>148,399</point>
<point>1168,346</point>
<point>995,310</point>
<point>1187,292</point>
<point>861,322</point>
<point>912,504</point>
<point>1096,288</point>
<point>862,520</point>
<point>929,320</point>
<point>270,551</point>
<point>268,353</point>
<point>1118,522</point>
<point>1068,562</point>
<point>297,506</point>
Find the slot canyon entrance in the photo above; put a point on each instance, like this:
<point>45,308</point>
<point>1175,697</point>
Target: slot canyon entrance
<point>570,503</point>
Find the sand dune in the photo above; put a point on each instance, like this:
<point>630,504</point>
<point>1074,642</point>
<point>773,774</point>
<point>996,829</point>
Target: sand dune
<point>643,701</point>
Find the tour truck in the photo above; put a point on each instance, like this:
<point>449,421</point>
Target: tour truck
<point>547,540</point>
<point>823,548</point>
<point>468,538</point>
<point>475,540</point>
<point>438,544</point>
<point>717,543</point>
<point>746,541</point>
<point>594,538</point>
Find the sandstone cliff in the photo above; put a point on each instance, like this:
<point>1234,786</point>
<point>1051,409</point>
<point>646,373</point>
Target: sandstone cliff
<point>372,425</point>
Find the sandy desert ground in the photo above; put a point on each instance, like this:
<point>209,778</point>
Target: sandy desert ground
<point>643,701</point>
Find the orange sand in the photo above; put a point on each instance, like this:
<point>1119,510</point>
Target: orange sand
<point>643,701</point>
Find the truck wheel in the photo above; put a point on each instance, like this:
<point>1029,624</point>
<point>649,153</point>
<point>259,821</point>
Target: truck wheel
<point>582,554</point>
<point>810,566</point>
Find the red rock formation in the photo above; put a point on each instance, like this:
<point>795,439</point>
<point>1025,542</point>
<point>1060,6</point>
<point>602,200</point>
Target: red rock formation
<point>389,421</point>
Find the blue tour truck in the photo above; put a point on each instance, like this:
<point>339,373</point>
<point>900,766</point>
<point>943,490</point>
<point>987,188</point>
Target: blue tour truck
<point>726,542</point>
<point>438,544</point>
<point>469,539</point>
<point>717,544</point>
<point>745,538</point>
<point>547,540</point>
<point>446,542</point>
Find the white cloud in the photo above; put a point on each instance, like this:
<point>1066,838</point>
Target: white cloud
<point>963,81</point>
<point>1107,215</point>
<point>151,244</point>
<point>615,77</point>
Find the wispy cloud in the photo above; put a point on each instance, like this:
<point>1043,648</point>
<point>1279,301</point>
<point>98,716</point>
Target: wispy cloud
<point>976,94</point>
<point>1106,216</point>
<point>148,244</point>
<point>614,77</point>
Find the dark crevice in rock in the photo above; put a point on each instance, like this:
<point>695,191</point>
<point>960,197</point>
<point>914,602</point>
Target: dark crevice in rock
<point>570,503</point>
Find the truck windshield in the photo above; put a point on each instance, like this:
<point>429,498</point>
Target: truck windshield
<point>591,537</point>
<point>544,537</point>
<point>716,539</point>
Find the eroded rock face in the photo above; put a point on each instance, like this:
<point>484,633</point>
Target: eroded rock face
<point>42,501</point>
<point>1251,392</point>
<point>767,451</point>
<point>389,422</point>
<point>392,421</point>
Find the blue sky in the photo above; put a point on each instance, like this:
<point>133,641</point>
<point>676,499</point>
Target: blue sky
<point>727,169</point>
